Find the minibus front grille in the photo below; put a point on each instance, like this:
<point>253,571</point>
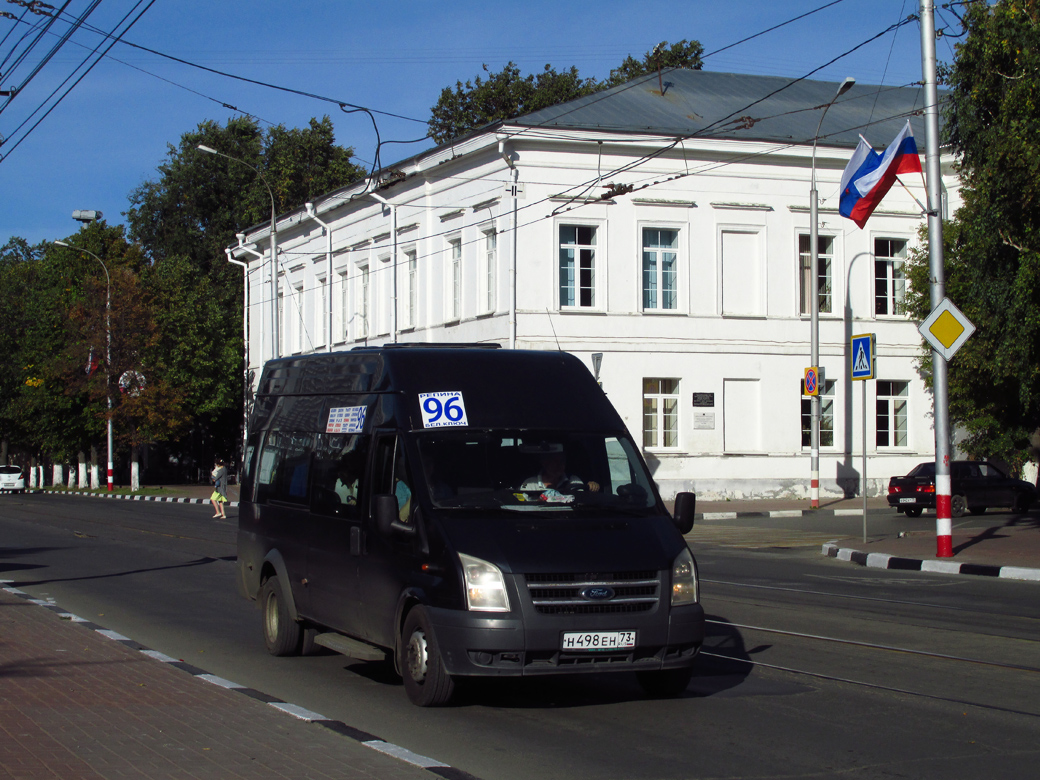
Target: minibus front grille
<point>566,593</point>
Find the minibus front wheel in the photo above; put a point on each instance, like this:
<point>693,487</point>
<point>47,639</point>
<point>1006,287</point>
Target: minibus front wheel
<point>281,633</point>
<point>426,681</point>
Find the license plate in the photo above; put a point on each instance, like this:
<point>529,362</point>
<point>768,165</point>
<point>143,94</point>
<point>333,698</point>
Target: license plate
<point>908,501</point>
<point>598,640</point>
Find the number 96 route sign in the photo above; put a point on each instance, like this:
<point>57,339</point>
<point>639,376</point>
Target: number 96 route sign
<point>442,409</point>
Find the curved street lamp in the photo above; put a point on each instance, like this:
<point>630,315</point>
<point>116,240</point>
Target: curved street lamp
<point>274,247</point>
<point>108,347</point>
<point>814,301</point>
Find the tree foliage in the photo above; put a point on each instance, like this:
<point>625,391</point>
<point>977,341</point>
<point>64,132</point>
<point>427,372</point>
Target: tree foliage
<point>176,316</point>
<point>684,54</point>
<point>992,245</point>
<point>508,94</point>
<point>183,221</point>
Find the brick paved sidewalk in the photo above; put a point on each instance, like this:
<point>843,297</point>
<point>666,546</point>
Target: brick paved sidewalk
<point>75,704</point>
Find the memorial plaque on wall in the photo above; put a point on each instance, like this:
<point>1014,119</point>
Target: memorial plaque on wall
<point>704,399</point>
<point>704,421</point>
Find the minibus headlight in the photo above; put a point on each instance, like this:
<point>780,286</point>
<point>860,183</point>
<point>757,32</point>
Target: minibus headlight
<point>684,579</point>
<point>485,585</point>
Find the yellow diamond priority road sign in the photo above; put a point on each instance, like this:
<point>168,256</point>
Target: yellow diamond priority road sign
<point>946,329</point>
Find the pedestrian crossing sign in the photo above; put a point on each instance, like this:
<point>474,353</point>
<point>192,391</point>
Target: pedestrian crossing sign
<point>863,354</point>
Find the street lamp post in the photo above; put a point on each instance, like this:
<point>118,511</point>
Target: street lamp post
<point>108,348</point>
<point>274,247</point>
<point>814,301</point>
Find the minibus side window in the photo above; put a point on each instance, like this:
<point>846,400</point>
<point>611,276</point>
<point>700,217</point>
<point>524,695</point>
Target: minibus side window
<point>390,475</point>
<point>284,468</point>
<point>337,475</point>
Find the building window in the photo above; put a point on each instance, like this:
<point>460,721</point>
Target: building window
<point>826,415</point>
<point>824,277</point>
<point>577,265</point>
<point>660,413</point>
<point>322,327</point>
<point>892,413</point>
<point>363,309</point>
<point>298,321</point>
<point>411,264</point>
<point>660,258</point>
<point>490,266</point>
<point>344,308</point>
<point>889,275</point>
<point>284,322</point>
<point>456,278</point>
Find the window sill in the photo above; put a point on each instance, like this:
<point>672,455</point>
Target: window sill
<point>580,310</point>
<point>663,312</point>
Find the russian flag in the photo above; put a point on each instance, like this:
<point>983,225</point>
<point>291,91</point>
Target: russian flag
<point>869,176</point>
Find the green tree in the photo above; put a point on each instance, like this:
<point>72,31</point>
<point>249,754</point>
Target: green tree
<point>684,54</point>
<point>992,245</point>
<point>183,221</point>
<point>502,95</point>
<point>18,265</point>
<point>508,94</point>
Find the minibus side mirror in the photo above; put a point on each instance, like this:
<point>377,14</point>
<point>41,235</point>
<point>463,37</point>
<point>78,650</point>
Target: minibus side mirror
<point>685,508</point>
<point>387,521</point>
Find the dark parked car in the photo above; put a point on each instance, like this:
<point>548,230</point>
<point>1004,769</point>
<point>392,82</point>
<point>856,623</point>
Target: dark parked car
<point>975,486</point>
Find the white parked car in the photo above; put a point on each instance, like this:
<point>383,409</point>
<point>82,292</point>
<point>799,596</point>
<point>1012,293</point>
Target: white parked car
<point>11,479</point>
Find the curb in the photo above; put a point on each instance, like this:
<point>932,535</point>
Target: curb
<point>124,497</point>
<point>885,561</point>
<point>792,513</point>
<point>368,740</point>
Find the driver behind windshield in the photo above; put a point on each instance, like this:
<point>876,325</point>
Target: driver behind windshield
<point>553,478</point>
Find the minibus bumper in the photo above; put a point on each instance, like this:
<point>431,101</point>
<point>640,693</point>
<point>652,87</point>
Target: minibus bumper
<point>481,644</point>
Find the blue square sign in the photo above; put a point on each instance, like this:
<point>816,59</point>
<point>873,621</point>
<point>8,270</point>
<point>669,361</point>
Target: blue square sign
<point>863,356</point>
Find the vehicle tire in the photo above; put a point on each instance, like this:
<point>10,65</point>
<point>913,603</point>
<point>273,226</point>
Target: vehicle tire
<point>307,644</point>
<point>1022,503</point>
<point>977,510</point>
<point>958,506</point>
<point>282,634</point>
<point>913,511</point>
<point>426,681</point>
<point>665,683</point>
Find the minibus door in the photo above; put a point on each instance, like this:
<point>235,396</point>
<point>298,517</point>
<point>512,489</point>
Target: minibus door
<point>336,539</point>
<point>388,557</point>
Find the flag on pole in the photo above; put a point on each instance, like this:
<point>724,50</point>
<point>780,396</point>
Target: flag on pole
<point>869,176</point>
<point>92,363</point>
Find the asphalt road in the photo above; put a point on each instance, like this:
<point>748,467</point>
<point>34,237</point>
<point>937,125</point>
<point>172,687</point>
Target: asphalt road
<point>814,667</point>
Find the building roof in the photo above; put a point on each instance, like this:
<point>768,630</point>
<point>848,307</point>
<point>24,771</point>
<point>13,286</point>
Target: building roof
<point>737,106</point>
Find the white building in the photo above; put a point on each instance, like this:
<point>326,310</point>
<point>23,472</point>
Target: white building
<point>668,233</point>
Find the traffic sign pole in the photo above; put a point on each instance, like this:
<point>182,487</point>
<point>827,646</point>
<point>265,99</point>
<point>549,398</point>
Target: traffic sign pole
<point>940,394</point>
<point>863,350</point>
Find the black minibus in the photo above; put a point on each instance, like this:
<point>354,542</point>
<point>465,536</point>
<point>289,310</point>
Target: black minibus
<point>462,511</point>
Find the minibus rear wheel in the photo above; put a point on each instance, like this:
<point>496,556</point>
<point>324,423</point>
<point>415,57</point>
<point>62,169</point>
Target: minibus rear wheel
<point>281,633</point>
<point>426,681</point>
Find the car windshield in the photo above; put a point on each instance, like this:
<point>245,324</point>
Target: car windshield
<point>10,470</point>
<point>533,471</point>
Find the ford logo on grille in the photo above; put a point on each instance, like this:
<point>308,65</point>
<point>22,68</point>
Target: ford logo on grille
<point>597,593</point>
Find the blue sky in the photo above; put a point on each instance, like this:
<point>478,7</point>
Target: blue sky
<point>111,132</point>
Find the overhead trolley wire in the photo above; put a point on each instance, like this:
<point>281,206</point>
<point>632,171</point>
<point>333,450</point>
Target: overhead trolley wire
<point>113,40</point>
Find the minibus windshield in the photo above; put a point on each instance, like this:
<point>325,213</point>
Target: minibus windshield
<point>533,471</point>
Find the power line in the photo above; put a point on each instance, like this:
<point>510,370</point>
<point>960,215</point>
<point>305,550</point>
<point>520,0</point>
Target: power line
<point>114,39</point>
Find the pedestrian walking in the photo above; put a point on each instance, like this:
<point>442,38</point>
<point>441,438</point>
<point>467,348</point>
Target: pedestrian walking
<point>219,497</point>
